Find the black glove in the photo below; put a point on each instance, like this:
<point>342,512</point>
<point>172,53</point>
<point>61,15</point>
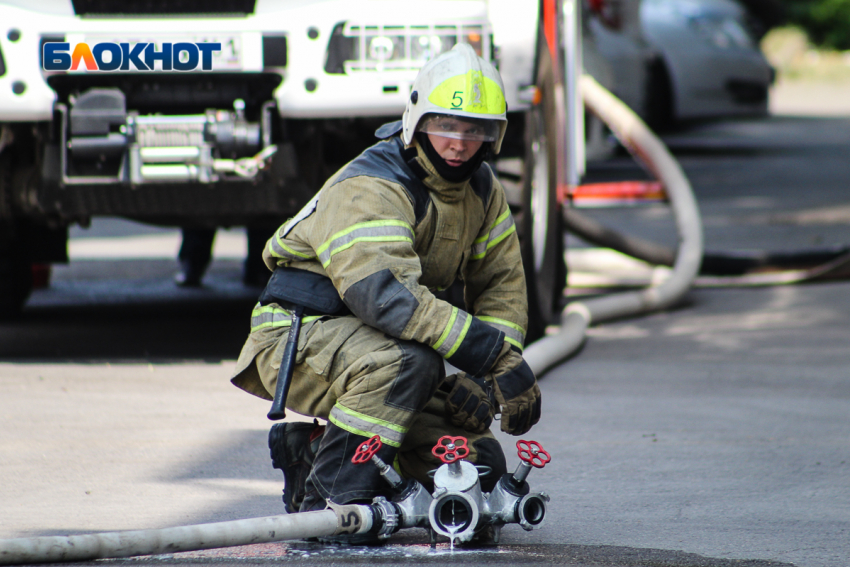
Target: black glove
<point>468,402</point>
<point>516,391</point>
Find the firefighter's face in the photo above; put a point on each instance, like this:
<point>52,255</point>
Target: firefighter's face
<point>454,151</point>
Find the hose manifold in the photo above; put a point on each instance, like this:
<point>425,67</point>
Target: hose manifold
<point>531,510</point>
<point>458,508</point>
<point>455,515</point>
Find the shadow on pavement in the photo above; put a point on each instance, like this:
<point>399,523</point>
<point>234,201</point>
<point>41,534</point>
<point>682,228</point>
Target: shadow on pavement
<point>129,311</point>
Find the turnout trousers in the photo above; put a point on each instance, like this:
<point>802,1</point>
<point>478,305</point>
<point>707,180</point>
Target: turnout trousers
<point>364,383</point>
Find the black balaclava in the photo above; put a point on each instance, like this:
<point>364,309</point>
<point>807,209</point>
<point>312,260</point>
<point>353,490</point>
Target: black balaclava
<point>448,172</point>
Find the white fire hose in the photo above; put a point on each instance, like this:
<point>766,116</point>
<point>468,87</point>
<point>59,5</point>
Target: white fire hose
<point>457,509</point>
<point>579,315</point>
<point>336,520</point>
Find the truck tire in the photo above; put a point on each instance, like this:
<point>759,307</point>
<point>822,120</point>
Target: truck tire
<point>540,226</point>
<point>15,274</point>
<point>15,268</point>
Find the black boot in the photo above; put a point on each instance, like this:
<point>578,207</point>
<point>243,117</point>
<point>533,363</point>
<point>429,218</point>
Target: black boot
<point>194,256</point>
<point>190,275</point>
<point>293,448</point>
<point>335,478</point>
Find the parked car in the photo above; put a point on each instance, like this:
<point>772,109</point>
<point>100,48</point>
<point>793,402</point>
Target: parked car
<point>709,63</point>
<point>613,31</point>
<point>619,57</point>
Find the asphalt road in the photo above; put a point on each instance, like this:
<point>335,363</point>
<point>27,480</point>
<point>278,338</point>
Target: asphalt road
<point>714,434</point>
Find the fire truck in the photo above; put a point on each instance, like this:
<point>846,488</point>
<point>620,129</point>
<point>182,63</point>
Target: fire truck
<point>294,90</point>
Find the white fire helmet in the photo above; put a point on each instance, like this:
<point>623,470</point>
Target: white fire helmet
<point>457,95</point>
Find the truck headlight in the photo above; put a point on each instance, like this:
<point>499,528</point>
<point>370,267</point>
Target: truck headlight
<point>355,47</point>
<point>724,32</point>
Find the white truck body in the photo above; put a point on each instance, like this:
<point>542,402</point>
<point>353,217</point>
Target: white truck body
<point>379,89</point>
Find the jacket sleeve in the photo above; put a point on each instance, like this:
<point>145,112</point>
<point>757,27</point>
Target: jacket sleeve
<point>494,280</point>
<point>362,233</point>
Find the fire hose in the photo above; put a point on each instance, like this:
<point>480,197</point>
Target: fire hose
<point>691,266</point>
<point>648,148</point>
<point>744,268</point>
<point>457,509</point>
<point>50,549</point>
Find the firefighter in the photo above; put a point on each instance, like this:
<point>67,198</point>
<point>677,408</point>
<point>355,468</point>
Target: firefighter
<point>391,229</point>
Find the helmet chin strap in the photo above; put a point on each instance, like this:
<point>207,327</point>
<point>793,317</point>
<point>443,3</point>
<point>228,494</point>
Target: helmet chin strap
<point>453,174</point>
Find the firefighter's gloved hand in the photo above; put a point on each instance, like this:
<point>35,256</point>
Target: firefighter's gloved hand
<point>516,390</point>
<point>468,403</point>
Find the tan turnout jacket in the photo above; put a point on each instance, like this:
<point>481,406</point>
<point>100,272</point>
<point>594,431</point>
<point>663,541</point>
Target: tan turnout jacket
<point>390,238</point>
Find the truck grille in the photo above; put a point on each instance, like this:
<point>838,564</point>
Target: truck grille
<point>162,7</point>
<point>356,46</point>
<point>176,93</point>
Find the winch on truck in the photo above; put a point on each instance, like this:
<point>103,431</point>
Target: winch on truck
<point>154,148</point>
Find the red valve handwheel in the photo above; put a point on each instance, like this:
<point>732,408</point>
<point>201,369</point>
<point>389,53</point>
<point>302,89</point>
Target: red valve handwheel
<point>367,450</point>
<point>450,449</point>
<point>532,453</point>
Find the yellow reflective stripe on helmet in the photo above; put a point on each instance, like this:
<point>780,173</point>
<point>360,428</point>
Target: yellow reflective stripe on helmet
<point>370,231</point>
<point>514,334</point>
<point>471,92</point>
<point>271,316</point>
<point>367,426</point>
<point>499,230</point>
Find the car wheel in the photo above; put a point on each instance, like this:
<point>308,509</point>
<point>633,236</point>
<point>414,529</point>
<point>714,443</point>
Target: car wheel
<point>540,225</point>
<point>659,103</point>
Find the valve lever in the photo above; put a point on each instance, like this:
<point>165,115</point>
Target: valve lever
<point>450,449</point>
<point>531,454</point>
<point>367,450</point>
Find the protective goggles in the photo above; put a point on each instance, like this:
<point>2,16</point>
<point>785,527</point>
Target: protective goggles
<point>460,128</point>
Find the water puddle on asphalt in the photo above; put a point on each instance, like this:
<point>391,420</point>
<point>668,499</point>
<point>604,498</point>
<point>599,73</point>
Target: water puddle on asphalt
<point>404,552</point>
<point>336,554</point>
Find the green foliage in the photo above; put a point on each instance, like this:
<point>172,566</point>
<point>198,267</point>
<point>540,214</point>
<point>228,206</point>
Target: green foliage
<point>827,22</point>
<point>795,59</point>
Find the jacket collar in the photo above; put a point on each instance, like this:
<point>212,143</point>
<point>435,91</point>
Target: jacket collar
<point>448,191</point>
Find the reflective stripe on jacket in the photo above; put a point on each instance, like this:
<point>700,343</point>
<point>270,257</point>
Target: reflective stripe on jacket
<point>390,232</point>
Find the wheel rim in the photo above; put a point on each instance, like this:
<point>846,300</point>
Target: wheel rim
<point>539,202</point>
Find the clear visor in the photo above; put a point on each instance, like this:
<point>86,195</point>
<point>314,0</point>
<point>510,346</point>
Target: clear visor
<point>460,128</point>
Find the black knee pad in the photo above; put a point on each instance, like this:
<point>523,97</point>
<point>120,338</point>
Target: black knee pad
<point>490,454</point>
<point>420,372</point>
